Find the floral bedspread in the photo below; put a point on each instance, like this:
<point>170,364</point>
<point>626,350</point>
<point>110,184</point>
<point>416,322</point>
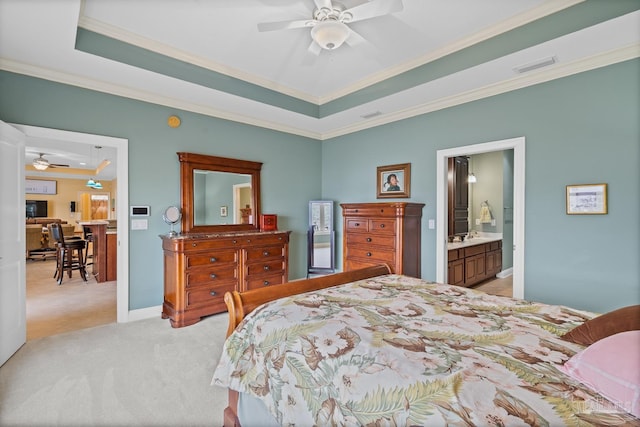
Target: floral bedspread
<point>400,351</point>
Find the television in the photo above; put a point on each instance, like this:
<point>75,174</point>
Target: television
<point>37,208</point>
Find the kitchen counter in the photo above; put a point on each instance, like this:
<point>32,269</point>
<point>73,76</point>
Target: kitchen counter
<point>480,239</point>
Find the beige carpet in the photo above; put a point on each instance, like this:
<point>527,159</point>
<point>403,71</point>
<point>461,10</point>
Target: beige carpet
<point>75,304</point>
<point>142,373</point>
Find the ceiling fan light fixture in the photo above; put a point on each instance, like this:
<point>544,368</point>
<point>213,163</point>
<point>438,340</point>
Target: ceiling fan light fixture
<point>40,164</point>
<point>330,34</point>
<point>90,182</point>
<point>98,185</point>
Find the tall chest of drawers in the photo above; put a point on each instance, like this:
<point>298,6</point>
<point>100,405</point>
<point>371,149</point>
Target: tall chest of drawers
<point>200,268</point>
<point>382,233</point>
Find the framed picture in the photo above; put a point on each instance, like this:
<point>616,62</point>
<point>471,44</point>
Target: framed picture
<point>223,211</point>
<point>587,199</point>
<point>394,181</point>
<point>38,186</point>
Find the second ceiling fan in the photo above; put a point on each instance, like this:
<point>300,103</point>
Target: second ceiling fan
<point>329,29</point>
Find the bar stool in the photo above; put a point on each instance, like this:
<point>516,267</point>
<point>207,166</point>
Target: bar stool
<point>70,254</point>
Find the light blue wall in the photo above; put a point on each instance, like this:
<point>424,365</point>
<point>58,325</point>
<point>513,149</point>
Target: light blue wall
<point>290,172</point>
<point>579,129</point>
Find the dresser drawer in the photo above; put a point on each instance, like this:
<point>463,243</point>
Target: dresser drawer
<point>208,295</point>
<point>384,211</point>
<point>261,282</point>
<point>386,226</point>
<point>474,250</point>
<point>265,267</point>
<point>375,254</point>
<point>220,274</point>
<point>357,224</point>
<point>265,252</point>
<point>371,239</point>
<point>211,258</point>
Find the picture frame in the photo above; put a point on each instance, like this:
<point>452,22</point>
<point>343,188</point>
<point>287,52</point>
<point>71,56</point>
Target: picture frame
<point>587,199</point>
<point>40,186</point>
<point>394,181</point>
<point>224,211</point>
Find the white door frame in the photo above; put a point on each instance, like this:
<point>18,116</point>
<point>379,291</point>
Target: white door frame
<point>518,147</point>
<point>122,199</point>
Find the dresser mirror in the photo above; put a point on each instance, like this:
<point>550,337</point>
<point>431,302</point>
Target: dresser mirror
<point>321,238</point>
<point>218,194</point>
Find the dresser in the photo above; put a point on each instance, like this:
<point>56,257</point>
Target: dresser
<point>200,268</point>
<point>382,233</point>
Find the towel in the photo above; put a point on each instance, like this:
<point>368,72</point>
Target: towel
<point>485,215</point>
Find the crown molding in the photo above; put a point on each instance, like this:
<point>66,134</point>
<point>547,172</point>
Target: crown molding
<point>622,54</point>
<point>521,81</point>
<point>547,8</point>
<point>153,98</point>
<point>128,37</point>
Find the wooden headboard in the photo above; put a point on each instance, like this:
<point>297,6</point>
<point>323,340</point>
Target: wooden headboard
<point>240,304</point>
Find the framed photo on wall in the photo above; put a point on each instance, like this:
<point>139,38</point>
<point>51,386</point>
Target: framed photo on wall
<point>587,199</point>
<point>394,181</point>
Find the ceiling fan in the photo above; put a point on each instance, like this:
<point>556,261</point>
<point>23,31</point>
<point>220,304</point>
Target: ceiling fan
<point>329,29</point>
<point>41,163</point>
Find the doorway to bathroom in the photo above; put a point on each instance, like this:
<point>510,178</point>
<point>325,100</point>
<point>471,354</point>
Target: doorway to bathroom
<point>516,214</point>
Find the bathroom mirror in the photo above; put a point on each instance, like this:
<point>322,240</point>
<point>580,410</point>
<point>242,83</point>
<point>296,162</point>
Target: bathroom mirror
<point>218,194</point>
<point>321,238</point>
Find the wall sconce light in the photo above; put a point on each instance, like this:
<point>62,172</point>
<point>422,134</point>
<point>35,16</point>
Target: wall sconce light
<point>471,179</point>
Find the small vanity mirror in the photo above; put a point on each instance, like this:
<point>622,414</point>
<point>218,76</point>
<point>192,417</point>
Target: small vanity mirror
<point>321,238</point>
<point>218,194</point>
<point>172,216</point>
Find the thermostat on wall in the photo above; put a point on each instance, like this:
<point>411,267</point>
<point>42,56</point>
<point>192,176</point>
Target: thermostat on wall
<point>139,210</point>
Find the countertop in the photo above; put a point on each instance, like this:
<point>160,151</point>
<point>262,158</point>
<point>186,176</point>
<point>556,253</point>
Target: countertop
<point>479,240</point>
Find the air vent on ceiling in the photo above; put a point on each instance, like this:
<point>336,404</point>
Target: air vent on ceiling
<point>371,115</point>
<point>545,62</point>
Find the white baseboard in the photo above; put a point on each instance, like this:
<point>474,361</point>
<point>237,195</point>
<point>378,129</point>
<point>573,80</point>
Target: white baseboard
<point>144,313</point>
<point>505,273</point>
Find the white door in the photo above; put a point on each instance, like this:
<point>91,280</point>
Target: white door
<point>13,317</point>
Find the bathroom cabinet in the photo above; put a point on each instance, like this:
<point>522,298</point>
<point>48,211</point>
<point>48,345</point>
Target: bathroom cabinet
<point>474,263</point>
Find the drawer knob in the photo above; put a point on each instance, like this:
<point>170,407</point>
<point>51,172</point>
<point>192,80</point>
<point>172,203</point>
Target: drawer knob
<point>266,267</point>
<point>235,241</point>
<point>194,244</point>
<point>265,253</point>
<point>368,253</point>
<point>212,259</point>
<point>213,293</point>
<point>369,239</point>
<point>248,240</point>
<point>213,276</point>
<point>357,224</point>
<point>266,283</point>
<point>381,225</point>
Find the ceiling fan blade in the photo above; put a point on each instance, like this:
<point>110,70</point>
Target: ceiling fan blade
<point>323,4</point>
<point>374,8</point>
<point>355,39</point>
<point>55,165</point>
<point>285,25</point>
<point>313,51</point>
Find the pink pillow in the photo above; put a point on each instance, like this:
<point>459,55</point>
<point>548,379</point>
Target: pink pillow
<point>611,367</point>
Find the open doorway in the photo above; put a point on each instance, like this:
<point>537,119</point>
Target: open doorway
<point>517,216</point>
<point>120,200</point>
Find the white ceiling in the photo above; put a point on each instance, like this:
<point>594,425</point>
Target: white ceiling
<point>38,38</point>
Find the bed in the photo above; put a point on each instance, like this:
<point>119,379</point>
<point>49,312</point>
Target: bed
<point>368,347</point>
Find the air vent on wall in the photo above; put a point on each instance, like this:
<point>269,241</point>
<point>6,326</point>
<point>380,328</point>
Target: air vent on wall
<point>545,62</point>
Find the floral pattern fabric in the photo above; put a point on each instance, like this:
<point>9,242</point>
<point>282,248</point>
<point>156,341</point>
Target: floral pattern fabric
<point>400,351</point>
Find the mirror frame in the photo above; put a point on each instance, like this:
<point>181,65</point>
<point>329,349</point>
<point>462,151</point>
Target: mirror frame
<point>189,162</point>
